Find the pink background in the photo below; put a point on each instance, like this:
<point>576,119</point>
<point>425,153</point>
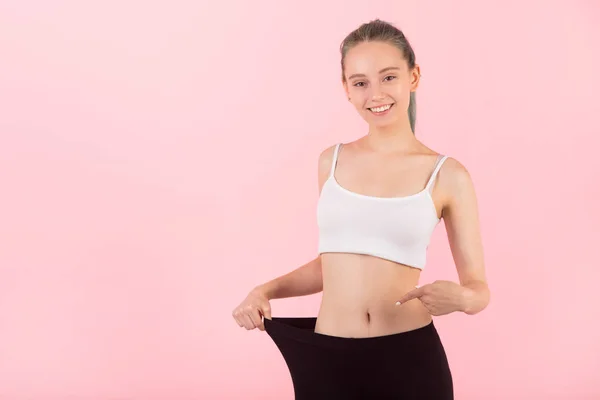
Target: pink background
<point>158,160</point>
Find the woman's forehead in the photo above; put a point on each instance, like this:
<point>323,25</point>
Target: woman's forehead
<point>373,56</point>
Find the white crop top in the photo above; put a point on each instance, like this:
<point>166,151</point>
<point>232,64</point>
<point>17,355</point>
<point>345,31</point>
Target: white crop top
<point>393,228</point>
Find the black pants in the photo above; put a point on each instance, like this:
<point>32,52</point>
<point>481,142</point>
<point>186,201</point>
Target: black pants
<point>408,365</point>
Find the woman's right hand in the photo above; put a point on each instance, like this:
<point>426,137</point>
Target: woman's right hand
<point>250,311</point>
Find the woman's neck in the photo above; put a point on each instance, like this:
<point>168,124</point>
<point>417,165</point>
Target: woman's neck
<point>391,138</point>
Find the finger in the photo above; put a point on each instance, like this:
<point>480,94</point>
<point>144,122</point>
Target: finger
<point>236,316</point>
<point>413,294</point>
<point>248,324</point>
<point>256,319</point>
<point>266,311</point>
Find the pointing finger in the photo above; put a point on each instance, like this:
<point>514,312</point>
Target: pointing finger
<point>413,294</point>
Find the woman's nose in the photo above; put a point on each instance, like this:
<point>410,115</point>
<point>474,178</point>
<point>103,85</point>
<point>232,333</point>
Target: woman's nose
<point>376,93</point>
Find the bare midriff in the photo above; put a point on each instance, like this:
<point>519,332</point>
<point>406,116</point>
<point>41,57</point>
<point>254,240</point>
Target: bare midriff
<point>360,294</point>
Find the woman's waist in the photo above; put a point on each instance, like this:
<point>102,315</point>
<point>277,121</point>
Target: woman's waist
<point>372,286</point>
<point>361,304</point>
<point>376,316</point>
<point>360,294</point>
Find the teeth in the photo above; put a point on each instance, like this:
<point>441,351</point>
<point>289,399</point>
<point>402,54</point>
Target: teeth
<point>381,109</point>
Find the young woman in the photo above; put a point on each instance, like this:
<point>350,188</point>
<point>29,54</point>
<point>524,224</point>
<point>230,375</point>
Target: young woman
<point>381,197</point>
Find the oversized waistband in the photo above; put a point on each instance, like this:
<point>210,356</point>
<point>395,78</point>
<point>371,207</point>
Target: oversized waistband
<point>302,329</point>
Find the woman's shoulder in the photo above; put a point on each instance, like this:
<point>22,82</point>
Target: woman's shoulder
<point>328,150</point>
<point>454,177</point>
<point>326,155</point>
<point>452,168</point>
<point>450,164</point>
<point>325,163</point>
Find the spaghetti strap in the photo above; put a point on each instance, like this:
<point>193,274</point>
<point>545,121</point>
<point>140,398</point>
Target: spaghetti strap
<point>440,161</point>
<point>335,157</point>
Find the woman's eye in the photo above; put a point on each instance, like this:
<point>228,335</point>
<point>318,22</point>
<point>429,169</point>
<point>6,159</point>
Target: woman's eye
<point>358,83</point>
<point>390,76</point>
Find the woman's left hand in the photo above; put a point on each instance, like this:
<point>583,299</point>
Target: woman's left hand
<point>440,297</point>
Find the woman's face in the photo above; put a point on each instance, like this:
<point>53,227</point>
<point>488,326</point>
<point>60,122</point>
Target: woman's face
<point>379,82</point>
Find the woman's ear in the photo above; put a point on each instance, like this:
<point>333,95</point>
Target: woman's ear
<point>415,78</point>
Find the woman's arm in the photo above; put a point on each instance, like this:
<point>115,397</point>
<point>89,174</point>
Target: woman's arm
<point>302,281</point>
<point>306,279</point>
<point>461,218</point>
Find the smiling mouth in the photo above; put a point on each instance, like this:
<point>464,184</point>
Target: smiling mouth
<point>381,109</point>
